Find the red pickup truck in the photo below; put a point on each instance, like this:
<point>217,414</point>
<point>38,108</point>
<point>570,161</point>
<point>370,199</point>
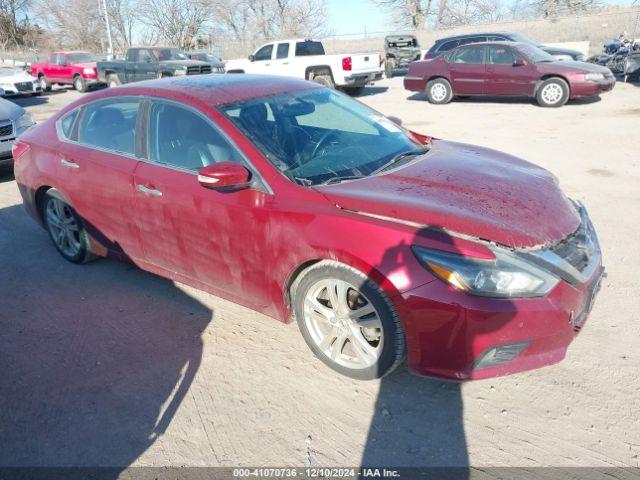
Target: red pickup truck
<point>67,68</point>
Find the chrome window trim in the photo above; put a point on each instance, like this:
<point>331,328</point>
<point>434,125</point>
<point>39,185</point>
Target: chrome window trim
<point>261,183</point>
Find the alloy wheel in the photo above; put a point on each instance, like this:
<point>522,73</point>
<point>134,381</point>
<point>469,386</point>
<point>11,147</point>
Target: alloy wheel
<point>63,227</point>
<point>438,92</point>
<point>552,93</point>
<point>343,323</point>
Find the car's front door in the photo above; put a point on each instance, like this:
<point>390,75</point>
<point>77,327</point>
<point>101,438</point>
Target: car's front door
<point>262,60</point>
<point>214,237</point>
<point>146,67</point>
<point>97,159</point>
<point>467,70</point>
<point>508,73</point>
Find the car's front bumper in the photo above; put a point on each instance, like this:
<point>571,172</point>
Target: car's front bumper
<point>21,88</point>
<point>590,89</point>
<point>361,79</point>
<point>457,336</point>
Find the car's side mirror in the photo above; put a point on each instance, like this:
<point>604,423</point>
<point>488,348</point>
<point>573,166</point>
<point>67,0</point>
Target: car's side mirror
<point>396,120</point>
<point>224,176</point>
<point>519,63</point>
<point>252,58</point>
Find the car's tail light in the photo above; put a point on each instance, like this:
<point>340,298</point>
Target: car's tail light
<point>347,63</point>
<point>19,149</point>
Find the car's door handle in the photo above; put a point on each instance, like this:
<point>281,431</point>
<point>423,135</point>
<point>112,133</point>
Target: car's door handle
<point>149,190</point>
<point>69,164</point>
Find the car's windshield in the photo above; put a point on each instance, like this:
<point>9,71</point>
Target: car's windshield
<point>535,54</point>
<point>319,135</point>
<point>169,54</point>
<point>82,57</point>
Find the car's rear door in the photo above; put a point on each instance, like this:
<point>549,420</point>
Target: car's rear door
<point>467,70</point>
<point>97,159</point>
<point>52,69</point>
<point>506,75</point>
<point>213,237</point>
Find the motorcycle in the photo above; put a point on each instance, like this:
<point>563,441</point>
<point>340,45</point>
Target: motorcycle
<point>621,56</point>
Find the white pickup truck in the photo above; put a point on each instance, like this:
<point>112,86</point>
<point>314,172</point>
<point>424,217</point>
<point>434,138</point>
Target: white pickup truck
<point>306,59</point>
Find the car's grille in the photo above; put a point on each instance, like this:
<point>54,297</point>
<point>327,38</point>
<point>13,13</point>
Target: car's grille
<point>6,130</point>
<point>578,248</point>
<point>217,69</point>
<point>198,69</point>
<point>24,86</point>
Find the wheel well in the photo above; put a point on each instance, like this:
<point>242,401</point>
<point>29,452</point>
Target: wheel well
<point>314,71</point>
<point>552,75</point>
<point>436,77</point>
<point>293,277</point>
<point>40,74</point>
<point>39,197</point>
<point>75,75</point>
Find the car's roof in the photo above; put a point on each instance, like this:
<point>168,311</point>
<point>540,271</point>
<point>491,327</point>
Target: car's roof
<point>71,51</point>
<point>474,34</point>
<point>215,90</point>
<point>392,37</point>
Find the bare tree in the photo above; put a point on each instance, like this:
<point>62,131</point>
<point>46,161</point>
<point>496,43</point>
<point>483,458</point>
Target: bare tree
<point>13,21</point>
<point>124,16</point>
<point>176,22</point>
<point>72,24</point>
<point>410,13</point>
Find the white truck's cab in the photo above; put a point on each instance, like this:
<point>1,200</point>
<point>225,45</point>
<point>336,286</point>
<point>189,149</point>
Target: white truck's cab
<point>303,58</point>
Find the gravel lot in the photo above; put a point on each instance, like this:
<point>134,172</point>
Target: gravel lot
<point>104,364</point>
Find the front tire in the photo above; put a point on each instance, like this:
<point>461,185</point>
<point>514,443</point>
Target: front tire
<point>347,321</point>
<point>439,91</point>
<point>79,84</point>
<point>553,93</point>
<point>66,229</point>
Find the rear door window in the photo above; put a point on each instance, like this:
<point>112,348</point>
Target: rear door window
<point>283,51</point>
<point>110,125</point>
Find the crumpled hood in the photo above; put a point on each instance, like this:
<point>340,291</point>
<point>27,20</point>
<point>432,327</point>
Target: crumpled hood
<point>470,190</point>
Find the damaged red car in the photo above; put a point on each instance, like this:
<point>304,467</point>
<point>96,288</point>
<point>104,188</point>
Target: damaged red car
<point>304,204</point>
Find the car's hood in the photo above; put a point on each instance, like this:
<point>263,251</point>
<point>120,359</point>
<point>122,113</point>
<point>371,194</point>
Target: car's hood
<point>584,67</point>
<point>86,65</point>
<point>469,190</point>
<point>9,110</point>
<point>186,63</point>
<point>14,75</point>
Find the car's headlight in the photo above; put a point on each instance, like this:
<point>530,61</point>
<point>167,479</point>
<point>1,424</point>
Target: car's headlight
<point>24,121</point>
<point>180,71</point>
<point>88,71</point>
<point>506,276</point>
<point>594,77</point>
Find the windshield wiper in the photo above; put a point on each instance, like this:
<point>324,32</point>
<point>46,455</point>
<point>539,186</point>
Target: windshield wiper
<point>397,159</point>
<point>339,178</point>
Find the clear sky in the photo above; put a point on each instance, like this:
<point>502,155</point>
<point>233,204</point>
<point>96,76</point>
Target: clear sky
<point>352,16</point>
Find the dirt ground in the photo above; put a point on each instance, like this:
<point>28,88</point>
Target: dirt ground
<point>104,364</point>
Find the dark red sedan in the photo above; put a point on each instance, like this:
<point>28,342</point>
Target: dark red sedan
<point>506,69</point>
<point>302,203</point>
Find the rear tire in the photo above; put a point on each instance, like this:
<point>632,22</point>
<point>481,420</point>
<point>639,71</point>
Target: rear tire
<point>552,93</point>
<point>113,80</point>
<point>79,84</point>
<point>336,333</point>
<point>439,91</point>
<point>65,229</point>
<point>389,67</point>
<point>324,79</point>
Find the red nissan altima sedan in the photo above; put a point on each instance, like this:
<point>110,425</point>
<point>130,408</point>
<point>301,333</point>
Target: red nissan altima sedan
<point>302,203</point>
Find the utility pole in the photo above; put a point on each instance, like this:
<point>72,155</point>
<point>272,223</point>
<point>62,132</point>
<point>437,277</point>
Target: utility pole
<point>103,5</point>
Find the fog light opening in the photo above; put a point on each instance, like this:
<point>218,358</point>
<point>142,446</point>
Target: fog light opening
<point>499,354</point>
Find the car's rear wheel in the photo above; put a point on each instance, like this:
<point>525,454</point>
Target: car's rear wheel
<point>79,84</point>
<point>44,83</point>
<point>553,92</point>
<point>389,67</point>
<point>113,80</point>
<point>439,91</point>
<point>347,321</point>
<point>325,79</point>
<point>65,229</point>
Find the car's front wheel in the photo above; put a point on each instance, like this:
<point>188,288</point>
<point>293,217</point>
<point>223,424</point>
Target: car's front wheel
<point>553,92</point>
<point>65,229</point>
<point>79,84</point>
<point>44,83</point>
<point>347,321</point>
<point>439,91</point>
